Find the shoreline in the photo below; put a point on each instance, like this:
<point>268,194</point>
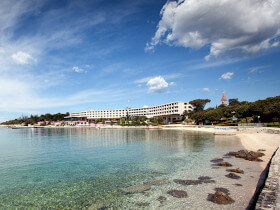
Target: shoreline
<point>251,139</point>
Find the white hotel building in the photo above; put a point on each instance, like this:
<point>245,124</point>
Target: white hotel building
<point>169,112</point>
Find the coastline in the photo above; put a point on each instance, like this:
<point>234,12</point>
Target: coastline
<point>255,141</point>
<point>250,139</point>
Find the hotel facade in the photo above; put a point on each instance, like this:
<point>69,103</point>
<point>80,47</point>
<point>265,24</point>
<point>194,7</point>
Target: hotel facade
<point>168,112</point>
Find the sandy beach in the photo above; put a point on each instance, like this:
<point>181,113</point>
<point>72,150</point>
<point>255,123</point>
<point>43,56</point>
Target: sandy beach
<point>251,139</point>
<point>255,141</point>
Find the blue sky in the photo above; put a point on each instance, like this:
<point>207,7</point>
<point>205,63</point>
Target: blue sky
<point>70,56</point>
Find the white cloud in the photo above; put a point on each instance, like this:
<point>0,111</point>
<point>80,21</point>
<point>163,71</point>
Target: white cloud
<point>79,70</point>
<point>257,69</point>
<point>157,85</point>
<point>167,76</point>
<point>206,89</point>
<point>172,83</point>
<point>23,58</point>
<point>227,75</point>
<point>24,90</point>
<point>231,27</point>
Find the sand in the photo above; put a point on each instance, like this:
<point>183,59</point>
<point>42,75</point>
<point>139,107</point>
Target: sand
<point>252,139</point>
<point>255,141</point>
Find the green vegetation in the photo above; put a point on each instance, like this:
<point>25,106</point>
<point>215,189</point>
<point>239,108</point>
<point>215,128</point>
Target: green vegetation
<point>199,104</point>
<point>265,111</point>
<point>35,118</point>
<point>134,121</point>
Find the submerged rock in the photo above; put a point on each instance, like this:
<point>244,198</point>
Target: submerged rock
<point>225,164</point>
<point>217,160</point>
<point>187,182</point>
<point>220,198</point>
<point>233,176</point>
<point>206,179</point>
<point>155,182</point>
<point>178,193</point>
<point>236,170</point>
<point>161,199</point>
<point>247,155</point>
<point>136,189</point>
<point>201,180</point>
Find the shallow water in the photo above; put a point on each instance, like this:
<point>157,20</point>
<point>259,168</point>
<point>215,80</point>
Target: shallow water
<point>80,167</point>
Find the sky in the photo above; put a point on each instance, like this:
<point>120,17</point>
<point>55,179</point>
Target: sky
<point>70,56</point>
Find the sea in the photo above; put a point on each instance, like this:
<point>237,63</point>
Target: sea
<point>89,168</point>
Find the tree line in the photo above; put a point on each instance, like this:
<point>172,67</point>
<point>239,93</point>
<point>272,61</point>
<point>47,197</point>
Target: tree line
<point>33,119</point>
<point>267,110</point>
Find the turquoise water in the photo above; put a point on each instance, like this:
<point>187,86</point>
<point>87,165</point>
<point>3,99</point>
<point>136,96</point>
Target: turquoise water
<point>78,167</point>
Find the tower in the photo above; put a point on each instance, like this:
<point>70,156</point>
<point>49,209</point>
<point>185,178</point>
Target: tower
<point>224,100</point>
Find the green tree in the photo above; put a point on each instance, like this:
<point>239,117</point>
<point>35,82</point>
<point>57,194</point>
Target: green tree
<point>199,104</point>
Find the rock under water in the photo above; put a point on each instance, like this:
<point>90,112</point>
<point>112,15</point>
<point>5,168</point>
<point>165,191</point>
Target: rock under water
<point>225,164</point>
<point>136,189</point>
<point>178,193</point>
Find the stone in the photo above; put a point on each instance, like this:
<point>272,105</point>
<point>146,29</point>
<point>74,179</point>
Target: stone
<point>155,182</point>
<point>233,176</point>
<point>178,193</point>
<point>225,164</point>
<point>239,185</point>
<point>161,199</point>
<point>206,179</point>
<point>217,160</point>
<point>201,180</point>
<point>247,155</point>
<point>221,198</point>
<point>236,170</point>
<point>187,182</point>
<point>136,189</point>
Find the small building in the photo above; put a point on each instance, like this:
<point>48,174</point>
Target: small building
<point>224,100</point>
